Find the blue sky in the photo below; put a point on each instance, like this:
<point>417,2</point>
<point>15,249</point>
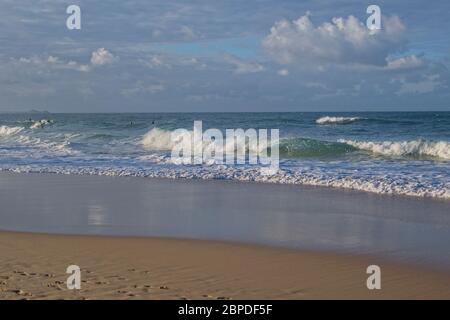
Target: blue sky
<point>202,55</point>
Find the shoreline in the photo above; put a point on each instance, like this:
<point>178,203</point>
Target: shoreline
<point>157,268</point>
<point>159,175</point>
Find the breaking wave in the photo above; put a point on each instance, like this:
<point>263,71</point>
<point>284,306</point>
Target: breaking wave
<point>159,139</point>
<point>164,140</point>
<point>414,148</point>
<point>336,120</point>
<point>9,131</point>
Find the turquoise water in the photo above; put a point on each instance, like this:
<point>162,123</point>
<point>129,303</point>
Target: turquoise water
<point>391,153</point>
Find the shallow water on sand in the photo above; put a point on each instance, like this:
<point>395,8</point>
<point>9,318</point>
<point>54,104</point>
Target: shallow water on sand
<point>404,228</point>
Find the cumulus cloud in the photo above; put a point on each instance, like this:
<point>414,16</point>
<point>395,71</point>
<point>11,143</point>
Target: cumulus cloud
<point>341,41</point>
<point>242,66</point>
<point>405,62</point>
<point>156,61</point>
<point>98,58</point>
<point>101,57</point>
<point>52,62</point>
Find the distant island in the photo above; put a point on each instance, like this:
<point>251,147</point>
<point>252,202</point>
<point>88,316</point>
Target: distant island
<point>38,111</point>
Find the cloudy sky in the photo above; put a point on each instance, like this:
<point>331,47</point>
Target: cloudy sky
<point>224,55</point>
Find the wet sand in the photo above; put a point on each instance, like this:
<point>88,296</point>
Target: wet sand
<point>257,241</point>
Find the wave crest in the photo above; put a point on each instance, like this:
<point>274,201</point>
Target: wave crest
<point>435,149</point>
<point>336,120</point>
<point>164,140</point>
<point>159,139</point>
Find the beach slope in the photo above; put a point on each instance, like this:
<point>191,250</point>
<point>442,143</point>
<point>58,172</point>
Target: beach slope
<point>33,266</point>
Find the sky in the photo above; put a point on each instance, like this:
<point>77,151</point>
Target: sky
<point>224,56</point>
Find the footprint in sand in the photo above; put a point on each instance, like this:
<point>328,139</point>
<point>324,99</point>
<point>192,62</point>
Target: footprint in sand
<point>21,292</point>
<point>128,293</point>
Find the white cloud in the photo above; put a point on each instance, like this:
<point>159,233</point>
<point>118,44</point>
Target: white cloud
<point>53,63</point>
<point>283,72</point>
<point>156,61</point>
<point>161,61</point>
<point>341,41</point>
<point>242,66</point>
<point>188,33</point>
<point>405,63</point>
<point>101,57</point>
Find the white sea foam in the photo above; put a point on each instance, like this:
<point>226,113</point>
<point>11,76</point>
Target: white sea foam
<point>437,149</point>
<point>26,145</point>
<point>336,120</point>
<point>9,131</point>
<point>159,139</point>
<point>382,184</point>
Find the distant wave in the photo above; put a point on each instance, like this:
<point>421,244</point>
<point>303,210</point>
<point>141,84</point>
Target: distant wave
<point>415,148</point>
<point>9,131</point>
<point>336,120</point>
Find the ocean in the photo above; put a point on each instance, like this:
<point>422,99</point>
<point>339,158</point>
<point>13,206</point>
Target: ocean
<point>398,153</point>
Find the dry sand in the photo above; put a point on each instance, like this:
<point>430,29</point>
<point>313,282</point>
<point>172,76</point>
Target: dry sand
<point>33,267</point>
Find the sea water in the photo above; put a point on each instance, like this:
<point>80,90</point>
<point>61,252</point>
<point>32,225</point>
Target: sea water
<point>403,153</point>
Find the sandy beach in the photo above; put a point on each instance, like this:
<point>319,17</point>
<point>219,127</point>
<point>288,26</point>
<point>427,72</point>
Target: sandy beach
<point>33,267</point>
<point>136,238</point>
